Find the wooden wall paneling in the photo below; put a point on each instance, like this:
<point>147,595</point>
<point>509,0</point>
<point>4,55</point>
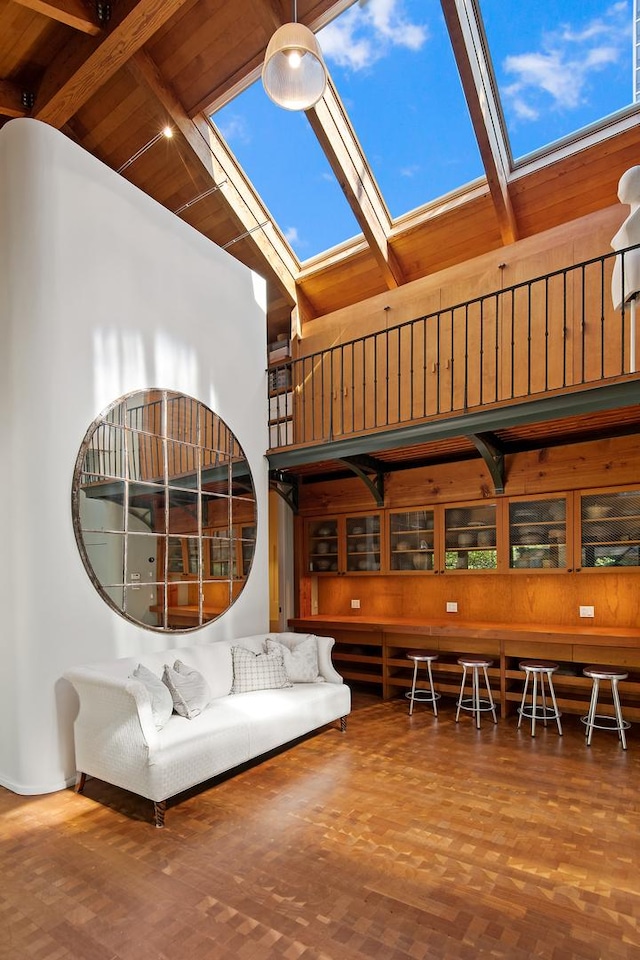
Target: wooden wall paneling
<point>574,466</point>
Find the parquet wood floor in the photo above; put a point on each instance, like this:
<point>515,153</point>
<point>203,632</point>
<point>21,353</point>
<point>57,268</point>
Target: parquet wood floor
<point>403,839</point>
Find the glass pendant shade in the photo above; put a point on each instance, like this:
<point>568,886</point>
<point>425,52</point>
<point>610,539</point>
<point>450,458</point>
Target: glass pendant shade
<point>293,73</point>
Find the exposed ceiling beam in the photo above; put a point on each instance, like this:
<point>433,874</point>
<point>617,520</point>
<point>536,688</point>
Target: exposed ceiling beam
<point>336,137</point>
<point>73,13</point>
<point>12,100</point>
<point>84,65</point>
<point>469,48</point>
<point>245,206</point>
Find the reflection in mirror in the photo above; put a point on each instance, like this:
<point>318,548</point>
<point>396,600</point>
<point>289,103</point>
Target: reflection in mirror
<point>164,510</point>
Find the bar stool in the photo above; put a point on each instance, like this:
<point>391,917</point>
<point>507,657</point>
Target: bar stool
<point>421,694</point>
<point>475,703</point>
<point>539,710</point>
<point>614,674</point>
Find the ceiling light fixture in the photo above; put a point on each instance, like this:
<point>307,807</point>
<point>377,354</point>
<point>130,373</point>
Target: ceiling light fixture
<point>293,74</point>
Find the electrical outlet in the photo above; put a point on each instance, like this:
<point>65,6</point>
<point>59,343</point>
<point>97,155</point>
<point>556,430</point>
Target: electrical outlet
<point>452,606</point>
<point>587,611</point>
<point>355,604</point>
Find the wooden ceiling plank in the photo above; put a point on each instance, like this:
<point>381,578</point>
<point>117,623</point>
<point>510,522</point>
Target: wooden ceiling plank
<point>61,96</point>
<point>222,168</point>
<point>73,13</point>
<point>11,104</point>
<point>467,40</point>
<point>335,134</point>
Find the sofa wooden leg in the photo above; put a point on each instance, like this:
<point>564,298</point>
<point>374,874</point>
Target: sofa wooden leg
<point>343,724</point>
<point>81,779</point>
<point>159,810</point>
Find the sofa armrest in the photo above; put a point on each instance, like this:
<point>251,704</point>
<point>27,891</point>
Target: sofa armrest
<point>115,718</point>
<point>327,669</point>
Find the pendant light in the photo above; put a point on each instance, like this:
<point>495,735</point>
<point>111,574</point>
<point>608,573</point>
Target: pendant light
<point>293,74</point>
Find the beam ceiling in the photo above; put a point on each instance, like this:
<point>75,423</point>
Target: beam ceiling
<point>186,56</point>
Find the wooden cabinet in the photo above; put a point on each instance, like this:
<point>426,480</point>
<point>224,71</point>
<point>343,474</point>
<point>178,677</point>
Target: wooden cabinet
<point>338,545</point>
<point>608,529</point>
<point>581,531</point>
<point>537,534</point>
<point>412,543</point>
<point>471,538</point>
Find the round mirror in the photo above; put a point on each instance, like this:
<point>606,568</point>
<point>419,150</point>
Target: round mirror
<point>164,510</point>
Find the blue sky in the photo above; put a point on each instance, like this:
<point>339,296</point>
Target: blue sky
<point>559,65</point>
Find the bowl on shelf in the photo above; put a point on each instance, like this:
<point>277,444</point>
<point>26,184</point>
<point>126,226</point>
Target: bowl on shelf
<point>529,536</point>
<point>324,532</point>
<point>595,511</point>
<point>403,545</point>
<point>356,531</point>
<point>322,565</point>
<point>466,539</point>
<point>322,547</point>
<point>421,561</point>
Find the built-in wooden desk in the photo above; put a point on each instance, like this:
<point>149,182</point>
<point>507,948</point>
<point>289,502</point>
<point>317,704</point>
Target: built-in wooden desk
<point>372,650</point>
<point>187,614</point>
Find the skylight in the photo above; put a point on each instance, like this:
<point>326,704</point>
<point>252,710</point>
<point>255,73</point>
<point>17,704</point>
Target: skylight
<point>559,67</point>
<point>281,156</point>
<point>393,66</point>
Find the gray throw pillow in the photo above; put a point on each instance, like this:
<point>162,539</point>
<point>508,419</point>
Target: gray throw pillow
<point>189,689</point>
<point>301,661</point>
<point>161,699</point>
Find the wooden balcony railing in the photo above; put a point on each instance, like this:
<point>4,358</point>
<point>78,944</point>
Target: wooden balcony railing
<point>549,334</point>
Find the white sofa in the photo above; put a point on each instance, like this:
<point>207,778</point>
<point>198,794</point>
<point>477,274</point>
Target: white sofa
<point>116,730</point>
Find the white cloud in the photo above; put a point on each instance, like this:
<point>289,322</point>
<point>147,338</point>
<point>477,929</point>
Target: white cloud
<point>559,74</point>
<point>367,31</point>
<point>292,236</point>
<point>235,128</point>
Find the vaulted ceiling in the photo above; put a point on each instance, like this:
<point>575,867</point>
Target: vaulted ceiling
<point>111,75</point>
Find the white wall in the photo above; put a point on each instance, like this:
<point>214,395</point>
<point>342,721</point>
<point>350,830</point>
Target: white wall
<point>102,292</point>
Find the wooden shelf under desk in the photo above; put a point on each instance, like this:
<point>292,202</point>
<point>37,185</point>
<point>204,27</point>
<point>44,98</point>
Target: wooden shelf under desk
<point>507,643</point>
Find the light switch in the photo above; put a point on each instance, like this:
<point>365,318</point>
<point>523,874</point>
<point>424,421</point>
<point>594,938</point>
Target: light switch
<point>587,611</point>
<point>452,606</point>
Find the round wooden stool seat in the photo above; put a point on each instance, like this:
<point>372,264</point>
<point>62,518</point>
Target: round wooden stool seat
<point>423,694</point>
<point>603,721</point>
<point>474,663</point>
<point>540,671</point>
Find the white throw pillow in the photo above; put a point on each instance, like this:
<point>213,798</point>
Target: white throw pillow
<point>189,689</point>
<point>161,699</point>
<point>301,661</point>
<point>257,671</point>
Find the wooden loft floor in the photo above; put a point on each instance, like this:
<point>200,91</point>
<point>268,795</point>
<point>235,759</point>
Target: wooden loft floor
<point>403,839</point>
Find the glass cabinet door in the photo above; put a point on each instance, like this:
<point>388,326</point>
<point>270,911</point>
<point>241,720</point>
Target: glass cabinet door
<point>411,543</point>
<point>610,529</point>
<point>538,534</point>
<point>363,543</point>
<point>470,537</point>
<point>322,546</point>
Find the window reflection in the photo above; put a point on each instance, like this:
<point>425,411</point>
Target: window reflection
<point>164,510</point>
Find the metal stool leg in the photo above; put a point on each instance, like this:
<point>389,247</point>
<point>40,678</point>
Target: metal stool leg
<point>476,696</point>
<point>412,698</point>
<point>464,679</point>
<point>592,710</point>
<point>432,688</point>
<point>524,698</point>
<point>490,695</point>
<point>534,705</point>
<point>555,703</point>
<point>618,709</point>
